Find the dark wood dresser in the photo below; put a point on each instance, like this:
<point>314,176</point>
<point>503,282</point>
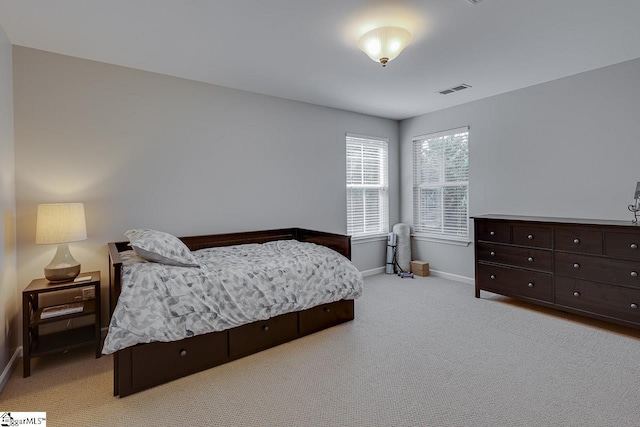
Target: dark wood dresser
<point>588,267</point>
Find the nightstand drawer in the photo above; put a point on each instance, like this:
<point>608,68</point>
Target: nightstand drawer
<point>515,282</point>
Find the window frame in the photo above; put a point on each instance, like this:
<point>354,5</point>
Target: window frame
<point>383,188</point>
<point>455,238</point>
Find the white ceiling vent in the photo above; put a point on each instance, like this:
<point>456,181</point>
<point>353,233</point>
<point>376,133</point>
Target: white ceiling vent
<point>456,88</point>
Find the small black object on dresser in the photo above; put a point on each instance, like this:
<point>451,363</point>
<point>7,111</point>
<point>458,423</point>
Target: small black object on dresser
<point>588,267</point>
<point>35,344</point>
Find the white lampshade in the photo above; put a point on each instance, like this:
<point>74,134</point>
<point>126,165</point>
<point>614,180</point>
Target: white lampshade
<point>384,44</point>
<point>61,223</point>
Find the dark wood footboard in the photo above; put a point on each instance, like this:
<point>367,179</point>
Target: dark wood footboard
<point>147,365</point>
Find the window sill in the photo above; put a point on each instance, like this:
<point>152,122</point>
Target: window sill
<point>368,239</point>
<point>456,241</point>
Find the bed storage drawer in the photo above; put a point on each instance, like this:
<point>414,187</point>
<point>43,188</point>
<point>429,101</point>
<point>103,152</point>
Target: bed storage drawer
<point>159,362</point>
<point>263,334</point>
<point>326,315</point>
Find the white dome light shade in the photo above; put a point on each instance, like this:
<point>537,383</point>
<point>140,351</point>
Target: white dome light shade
<point>384,44</point>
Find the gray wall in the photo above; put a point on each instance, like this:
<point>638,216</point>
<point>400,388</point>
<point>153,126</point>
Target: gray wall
<point>566,148</point>
<point>148,150</point>
<point>9,312</point>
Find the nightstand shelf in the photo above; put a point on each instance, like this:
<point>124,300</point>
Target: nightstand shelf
<point>64,340</point>
<point>35,344</point>
<point>89,308</point>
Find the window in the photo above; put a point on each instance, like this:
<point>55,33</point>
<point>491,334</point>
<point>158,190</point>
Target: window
<point>367,186</point>
<point>441,184</point>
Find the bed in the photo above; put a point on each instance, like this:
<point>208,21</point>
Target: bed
<point>139,366</point>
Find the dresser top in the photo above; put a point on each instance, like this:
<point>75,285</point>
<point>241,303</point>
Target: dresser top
<point>555,220</point>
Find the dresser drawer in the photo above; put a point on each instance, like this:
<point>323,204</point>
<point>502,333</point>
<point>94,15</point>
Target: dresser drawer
<point>515,282</point>
<point>326,315</point>
<point>526,235</point>
<point>578,240</point>
<point>623,245</point>
<point>600,298</point>
<point>493,231</point>
<point>263,334</point>
<point>598,269</point>
<point>159,362</point>
<point>536,259</point>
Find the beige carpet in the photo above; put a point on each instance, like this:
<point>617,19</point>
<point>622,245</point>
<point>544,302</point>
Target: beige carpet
<point>421,352</point>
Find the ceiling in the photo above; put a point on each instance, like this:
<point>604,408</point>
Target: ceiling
<point>306,50</point>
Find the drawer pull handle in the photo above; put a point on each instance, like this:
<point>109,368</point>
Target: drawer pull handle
<point>530,259</point>
<point>634,246</point>
<point>634,306</point>
<point>492,253</point>
<point>265,328</point>
<point>493,276</point>
<point>576,294</point>
<point>576,265</point>
<point>183,353</point>
<point>492,233</point>
<point>531,285</point>
<point>576,241</point>
<point>634,274</point>
<point>530,237</point>
<point>326,309</point>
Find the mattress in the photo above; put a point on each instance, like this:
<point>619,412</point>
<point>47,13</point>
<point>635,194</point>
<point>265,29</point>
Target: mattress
<point>232,286</point>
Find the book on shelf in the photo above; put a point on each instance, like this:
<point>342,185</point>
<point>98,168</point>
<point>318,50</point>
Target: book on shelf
<point>61,310</point>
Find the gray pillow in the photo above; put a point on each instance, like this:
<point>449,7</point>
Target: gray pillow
<point>160,247</point>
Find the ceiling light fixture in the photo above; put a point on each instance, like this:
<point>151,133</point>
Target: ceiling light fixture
<point>384,44</point>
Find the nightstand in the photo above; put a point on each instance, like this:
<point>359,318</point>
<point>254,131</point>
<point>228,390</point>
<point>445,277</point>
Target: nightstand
<point>34,344</point>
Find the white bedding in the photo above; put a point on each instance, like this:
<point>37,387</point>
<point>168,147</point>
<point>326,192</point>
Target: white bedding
<point>234,285</point>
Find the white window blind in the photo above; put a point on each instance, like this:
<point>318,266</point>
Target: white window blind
<point>441,184</point>
<point>367,186</point>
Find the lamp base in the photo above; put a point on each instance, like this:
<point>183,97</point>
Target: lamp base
<point>58,275</point>
<point>63,267</point>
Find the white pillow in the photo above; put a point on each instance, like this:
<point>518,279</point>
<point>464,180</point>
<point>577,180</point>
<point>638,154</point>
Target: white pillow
<point>161,247</point>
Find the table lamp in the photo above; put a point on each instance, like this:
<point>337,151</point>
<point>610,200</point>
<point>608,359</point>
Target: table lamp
<point>61,223</point>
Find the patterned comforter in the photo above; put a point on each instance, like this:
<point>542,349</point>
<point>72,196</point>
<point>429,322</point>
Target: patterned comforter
<point>234,285</point>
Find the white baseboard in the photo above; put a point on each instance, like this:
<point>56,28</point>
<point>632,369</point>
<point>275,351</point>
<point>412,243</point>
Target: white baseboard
<point>373,271</point>
<point>456,277</point>
<point>6,373</point>
<point>435,273</point>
